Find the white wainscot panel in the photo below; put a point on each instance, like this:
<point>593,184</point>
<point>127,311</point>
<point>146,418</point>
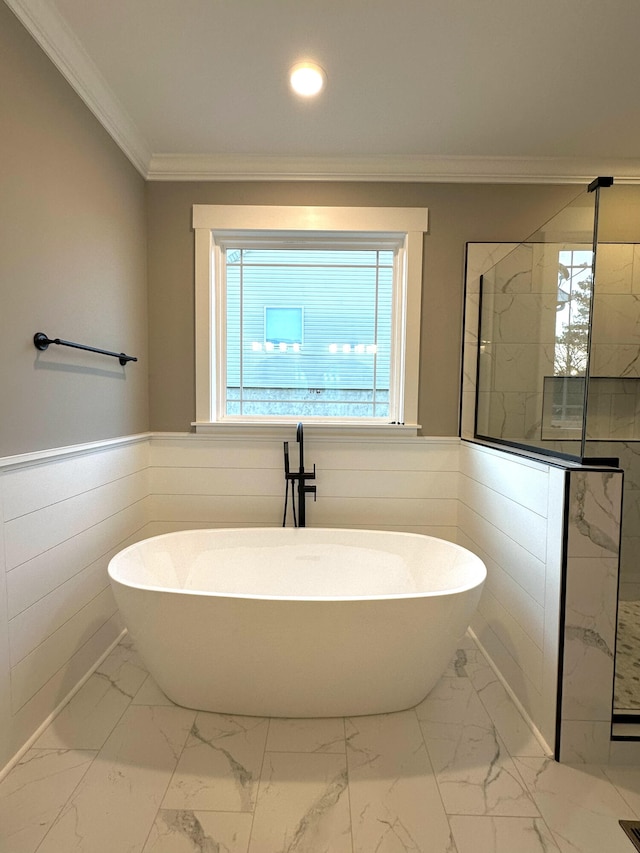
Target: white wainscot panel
<point>382,512</point>
<point>524,609</point>
<point>191,451</point>
<point>204,510</point>
<point>515,640</point>
<point>223,482</point>
<point>36,623</point>
<point>516,521</point>
<point>51,481</point>
<point>416,455</point>
<point>39,576</point>
<point>54,653</point>
<point>63,681</point>
<point>511,670</point>
<point>523,482</point>
<point>30,535</point>
<point>525,569</point>
<point>437,485</point>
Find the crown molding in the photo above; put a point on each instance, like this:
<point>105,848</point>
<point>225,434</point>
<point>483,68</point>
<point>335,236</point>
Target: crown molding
<point>446,169</point>
<point>51,32</point>
<point>57,40</point>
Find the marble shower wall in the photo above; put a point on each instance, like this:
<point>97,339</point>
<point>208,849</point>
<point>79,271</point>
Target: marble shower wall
<point>518,346</point>
<point>517,349</point>
<point>628,454</point>
<point>614,403</point>
<point>480,258</point>
<point>615,348</point>
<point>589,629</point>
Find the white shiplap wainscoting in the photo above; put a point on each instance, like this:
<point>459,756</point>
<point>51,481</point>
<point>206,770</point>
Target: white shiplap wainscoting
<point>408,484</point>
<point>64,514</point>
<point>511,515</point>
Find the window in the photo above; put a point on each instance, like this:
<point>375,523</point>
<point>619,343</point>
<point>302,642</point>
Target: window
<point>283,326</point>
<point>307,313</point>
<point>575,285</point>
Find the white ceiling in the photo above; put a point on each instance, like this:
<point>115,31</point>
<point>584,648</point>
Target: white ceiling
<point>505,90</point>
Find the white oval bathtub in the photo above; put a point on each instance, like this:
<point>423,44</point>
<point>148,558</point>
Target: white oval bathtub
<point>302,622</point>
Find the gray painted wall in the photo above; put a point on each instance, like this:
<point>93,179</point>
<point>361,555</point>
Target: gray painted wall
<point>76,240</point>
<point>457,213</point>
<point>72,261</point>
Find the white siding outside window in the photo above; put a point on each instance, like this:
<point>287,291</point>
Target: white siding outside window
<point>331,357</point>
<point>307,313</point>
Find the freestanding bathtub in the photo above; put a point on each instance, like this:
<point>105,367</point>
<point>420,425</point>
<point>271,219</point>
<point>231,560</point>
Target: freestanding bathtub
<point>296,622</point>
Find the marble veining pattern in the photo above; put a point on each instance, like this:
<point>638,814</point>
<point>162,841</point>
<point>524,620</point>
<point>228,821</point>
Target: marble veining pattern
<point>594,514</point>
<point>460,773</point>
<point>475,773</point>
<point>590,630</point>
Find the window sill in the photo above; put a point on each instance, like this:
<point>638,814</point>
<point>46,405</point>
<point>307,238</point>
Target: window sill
<point>282,429</point>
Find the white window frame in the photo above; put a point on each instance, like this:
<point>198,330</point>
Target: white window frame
<point>215,225</point>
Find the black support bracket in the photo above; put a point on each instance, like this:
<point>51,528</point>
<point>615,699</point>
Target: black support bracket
<point>599,182</point>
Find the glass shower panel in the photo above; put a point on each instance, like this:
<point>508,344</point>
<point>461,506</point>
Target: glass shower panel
<point>533,359</point>
<point>613,422</point>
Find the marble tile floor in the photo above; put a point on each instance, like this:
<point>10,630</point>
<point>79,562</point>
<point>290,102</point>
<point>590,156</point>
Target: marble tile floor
<point>123,770</point>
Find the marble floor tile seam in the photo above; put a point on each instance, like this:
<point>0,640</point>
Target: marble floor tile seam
<point>580,804</point>
<point>508,720</point>
<point>32,790</point>
<point>460,769</point>
<point>486,834</point>
<point>435,777</point>
<point>349,798</point>
<point>620,770</point>
<point>87,802</point>
<point>54,735</point>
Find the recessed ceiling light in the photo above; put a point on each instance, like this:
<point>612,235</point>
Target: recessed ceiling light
<point>307,79</point>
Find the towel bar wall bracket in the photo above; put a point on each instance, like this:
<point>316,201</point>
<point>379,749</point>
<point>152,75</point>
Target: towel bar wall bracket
<point>42,341</point>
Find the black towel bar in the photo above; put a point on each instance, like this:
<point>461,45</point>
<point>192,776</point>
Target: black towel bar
<point>42,341</point>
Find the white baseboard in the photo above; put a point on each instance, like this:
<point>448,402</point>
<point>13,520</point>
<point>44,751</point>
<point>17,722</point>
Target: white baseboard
<point>536,731</point>
<point>26,746</point>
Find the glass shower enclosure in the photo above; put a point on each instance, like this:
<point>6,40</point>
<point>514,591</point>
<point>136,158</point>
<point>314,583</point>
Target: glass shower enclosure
<point>557,361</point>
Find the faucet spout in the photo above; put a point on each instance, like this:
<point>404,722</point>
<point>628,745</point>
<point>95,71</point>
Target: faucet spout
<point>300,440</point>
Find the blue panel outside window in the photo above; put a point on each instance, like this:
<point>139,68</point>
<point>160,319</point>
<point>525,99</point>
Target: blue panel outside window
<point>283,325</point>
